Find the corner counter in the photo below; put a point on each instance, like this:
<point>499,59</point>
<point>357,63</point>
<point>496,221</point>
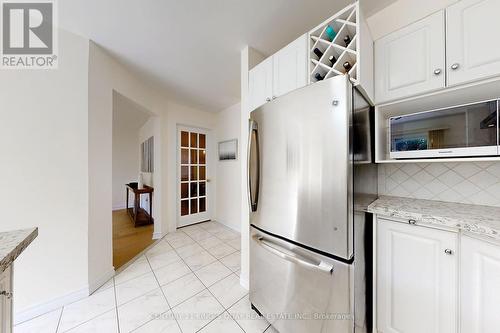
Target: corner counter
<point>12,244</point>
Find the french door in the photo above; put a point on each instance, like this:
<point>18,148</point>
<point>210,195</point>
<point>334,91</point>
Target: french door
<point>193,190</point>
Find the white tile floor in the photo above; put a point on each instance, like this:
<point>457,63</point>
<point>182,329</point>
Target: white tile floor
<point>188,282</point>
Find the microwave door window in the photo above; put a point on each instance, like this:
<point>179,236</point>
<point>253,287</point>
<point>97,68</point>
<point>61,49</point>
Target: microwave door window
<point>459,127</point>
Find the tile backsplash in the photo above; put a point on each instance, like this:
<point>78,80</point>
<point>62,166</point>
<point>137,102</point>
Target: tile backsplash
<point>469,182</point>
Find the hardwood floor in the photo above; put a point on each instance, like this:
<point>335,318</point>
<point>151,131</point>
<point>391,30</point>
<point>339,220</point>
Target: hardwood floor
<point>128,241</point>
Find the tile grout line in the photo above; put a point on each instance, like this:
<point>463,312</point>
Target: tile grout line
<point>164,296</point>
<point>116,306</point>
<point>59,321</point>
<point>87,320</point>
<point>114,285</point>
<point>152,271</point>
<point>207,288</point>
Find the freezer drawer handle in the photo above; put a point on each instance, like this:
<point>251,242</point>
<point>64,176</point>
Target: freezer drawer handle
<point>322,266</point>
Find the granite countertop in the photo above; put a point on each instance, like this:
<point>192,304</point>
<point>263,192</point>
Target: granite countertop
<point>12,243</point>
<point>482,220</point>
<point>363,200</point>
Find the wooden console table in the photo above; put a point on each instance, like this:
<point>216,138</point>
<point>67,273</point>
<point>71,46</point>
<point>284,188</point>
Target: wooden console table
<point>139,215</point>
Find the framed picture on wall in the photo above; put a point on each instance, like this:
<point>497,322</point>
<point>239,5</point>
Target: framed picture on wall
<point>228,150</point>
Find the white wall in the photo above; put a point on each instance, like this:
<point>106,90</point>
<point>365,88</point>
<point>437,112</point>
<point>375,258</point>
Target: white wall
<point>57,164</point>
<point>228,211</point>
<point>106,75</point>
<point>402,13</point>
<point>45,174</point>
<point>127,120</point>
<point>145,132</point>
<point>249,58</point>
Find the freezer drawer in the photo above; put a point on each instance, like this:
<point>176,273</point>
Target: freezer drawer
<point>299,291</point>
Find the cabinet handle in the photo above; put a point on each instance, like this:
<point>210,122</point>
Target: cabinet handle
<point>455,66</point>
<point>448,251</point>
<point>6,294</point>
<point>411,221</point>
<point>268,99</point>
<point>437,71</point>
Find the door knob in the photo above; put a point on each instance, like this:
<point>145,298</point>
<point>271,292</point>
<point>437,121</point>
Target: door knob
<point>268,99</point>
<point>448,251</point>
<point>274,97</point>
<point>437,71</point>
<point>455,66</point>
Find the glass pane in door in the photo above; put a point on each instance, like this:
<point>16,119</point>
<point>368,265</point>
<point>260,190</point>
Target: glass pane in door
<point>193,173</point>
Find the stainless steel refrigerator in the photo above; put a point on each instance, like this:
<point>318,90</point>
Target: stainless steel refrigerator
<point>310,178</point>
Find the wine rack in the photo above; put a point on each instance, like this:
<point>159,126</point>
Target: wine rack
<point>344,24</point>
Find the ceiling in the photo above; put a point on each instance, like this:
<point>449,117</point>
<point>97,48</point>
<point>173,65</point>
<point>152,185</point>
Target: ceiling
<point>127,114</point>
<point>191,48</point>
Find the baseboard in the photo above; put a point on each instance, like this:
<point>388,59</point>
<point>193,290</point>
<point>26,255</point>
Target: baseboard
<point>94,285</point>
<point>229,226</point>
<point>119,207</point>
<point>54,304</point>
<point>157,235</point>
<point>244,283</point>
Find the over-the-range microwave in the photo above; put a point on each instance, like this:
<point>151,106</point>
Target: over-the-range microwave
<point>459,131</point>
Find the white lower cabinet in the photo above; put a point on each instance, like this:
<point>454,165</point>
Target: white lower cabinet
<point>479,286</point>
<point>417,279</point>
<point>6,301</point>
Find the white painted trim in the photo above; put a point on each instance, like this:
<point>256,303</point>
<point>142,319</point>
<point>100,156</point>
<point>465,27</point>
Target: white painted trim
<point>54,304</point>
<point>184,221</point>
<point>157,235</point>
<point>244,283</point>
<point>232,227</point>
<point>94,285</point>
<point>120,206</point>
<point>58,302</point>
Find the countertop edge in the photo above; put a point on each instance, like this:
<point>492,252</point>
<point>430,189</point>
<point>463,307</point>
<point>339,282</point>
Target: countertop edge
<point>425,216</point>
<point>18,249</point>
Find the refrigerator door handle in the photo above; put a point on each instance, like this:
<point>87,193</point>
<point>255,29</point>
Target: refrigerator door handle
<point>321,266</point>
<point>253,184</point>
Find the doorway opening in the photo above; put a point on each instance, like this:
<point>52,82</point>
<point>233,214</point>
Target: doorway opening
<point>133,186</point>
<point>193,202</point>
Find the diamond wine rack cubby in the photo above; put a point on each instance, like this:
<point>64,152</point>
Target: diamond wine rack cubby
<point>334,45</point>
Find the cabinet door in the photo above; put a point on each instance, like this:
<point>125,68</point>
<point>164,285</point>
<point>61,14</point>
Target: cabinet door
<point>416,279</point>
<point>411,61</point>
<point>6,302</point>
<point>289,67</point>
<point>260,83</point>
<point>473,51</point>
<point>480,286</point>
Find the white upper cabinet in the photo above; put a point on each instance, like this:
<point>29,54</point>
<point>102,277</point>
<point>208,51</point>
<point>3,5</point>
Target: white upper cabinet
<point>279,74</point>
<point>416,279</point>
<point>480,286</point>
<point>260,83</point>
<point>290,67</point>
<point>473,51</point>
<point>411,61</point>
